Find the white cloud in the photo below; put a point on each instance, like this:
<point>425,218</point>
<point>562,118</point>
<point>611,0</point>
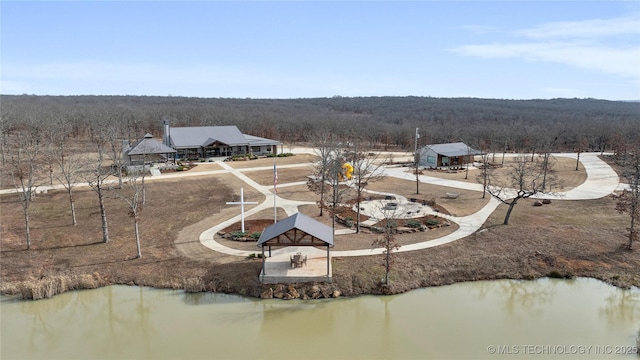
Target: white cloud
<point>595,28</point>
<point>618,61</point>
<point>583,44</point>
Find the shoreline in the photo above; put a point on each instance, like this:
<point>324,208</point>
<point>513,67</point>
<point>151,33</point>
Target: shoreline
<point>341,286</point>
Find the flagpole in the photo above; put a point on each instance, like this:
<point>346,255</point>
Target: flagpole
<point>275,191</point>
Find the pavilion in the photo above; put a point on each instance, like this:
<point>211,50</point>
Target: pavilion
<point>297,232</point>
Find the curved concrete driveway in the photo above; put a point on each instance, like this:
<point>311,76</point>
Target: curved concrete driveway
<point>601,181</point>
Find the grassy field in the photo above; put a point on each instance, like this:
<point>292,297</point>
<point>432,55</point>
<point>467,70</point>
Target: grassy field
<point>572,238</point>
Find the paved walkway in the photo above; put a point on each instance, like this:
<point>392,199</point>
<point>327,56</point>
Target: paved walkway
<point>601,181</point>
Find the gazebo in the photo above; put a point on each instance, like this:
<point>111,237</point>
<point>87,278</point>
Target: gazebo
<point>146,149</point>
<point>297,230</point>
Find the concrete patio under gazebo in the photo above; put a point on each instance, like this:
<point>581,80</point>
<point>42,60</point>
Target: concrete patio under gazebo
<point>297,234</point>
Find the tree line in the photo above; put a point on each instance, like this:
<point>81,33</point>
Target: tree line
<point>390,122</point>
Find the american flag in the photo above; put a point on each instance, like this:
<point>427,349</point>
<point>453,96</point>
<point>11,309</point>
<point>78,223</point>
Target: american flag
<point>275,177</point>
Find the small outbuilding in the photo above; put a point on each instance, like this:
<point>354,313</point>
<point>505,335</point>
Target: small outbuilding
<point>447,155</point>
<point>297,230</point>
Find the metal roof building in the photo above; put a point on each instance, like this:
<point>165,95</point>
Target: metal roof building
<point>447,155</point>
<point>189,137</point>
<point>203,141</point>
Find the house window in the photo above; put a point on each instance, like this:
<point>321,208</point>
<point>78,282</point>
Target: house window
<point>431,159</point>
<point>255,148</point>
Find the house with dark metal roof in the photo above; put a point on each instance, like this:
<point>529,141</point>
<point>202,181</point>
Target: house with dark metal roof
<point>146,150</point>
<point>297,230</point>
<point>210,141</point>
<point>447,155</point>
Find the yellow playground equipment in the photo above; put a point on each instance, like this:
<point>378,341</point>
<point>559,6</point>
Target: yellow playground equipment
<point>347,172</point>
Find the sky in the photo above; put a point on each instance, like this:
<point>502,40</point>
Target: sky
<point>304,49</point>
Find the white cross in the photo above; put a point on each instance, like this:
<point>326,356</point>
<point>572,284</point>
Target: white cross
<point>242,204</point>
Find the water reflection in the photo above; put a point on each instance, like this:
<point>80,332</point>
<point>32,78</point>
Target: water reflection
<point>457,321</point>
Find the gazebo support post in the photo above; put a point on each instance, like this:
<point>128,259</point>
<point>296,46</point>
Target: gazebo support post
<point>327,261</point>
<point>263,262</point>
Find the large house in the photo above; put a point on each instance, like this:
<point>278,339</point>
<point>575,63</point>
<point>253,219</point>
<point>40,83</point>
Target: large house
<point>447,155</point>
<point>208,141</point>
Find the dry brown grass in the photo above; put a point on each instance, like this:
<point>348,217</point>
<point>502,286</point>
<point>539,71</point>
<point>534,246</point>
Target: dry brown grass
<point>285,175</point>
<point>572,237</point>
<point>296,159</point>
<point>563,168</point>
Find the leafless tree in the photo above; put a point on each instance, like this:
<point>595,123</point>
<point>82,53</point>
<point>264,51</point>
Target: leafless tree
<point>629,200</point>
<point>69,164</point>
<point>388,241</point>
<point>110,133</point>
<point>522,180</point>
<point>4,127</point>
<point>24,171</point>
<point>367,167</point>
<point>485,173</point>
<point>580,146</point>
<point>132,193</point>
<point>97,180</point>
<point>334,177</point>
<point>546,146</point>
<point>325,148</point>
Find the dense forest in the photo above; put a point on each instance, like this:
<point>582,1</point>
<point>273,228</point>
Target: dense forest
<point>380,122</point>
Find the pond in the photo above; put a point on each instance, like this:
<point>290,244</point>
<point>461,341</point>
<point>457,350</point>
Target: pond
<point>546,318</point>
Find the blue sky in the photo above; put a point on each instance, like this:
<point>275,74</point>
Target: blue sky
<point>300,49</point>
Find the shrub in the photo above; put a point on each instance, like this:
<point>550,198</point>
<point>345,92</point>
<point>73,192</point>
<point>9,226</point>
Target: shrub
<point>348,221</point>
<point>256,235</point>
<point>432,222</point>
<point>412,223</point>
<point>238,234</point>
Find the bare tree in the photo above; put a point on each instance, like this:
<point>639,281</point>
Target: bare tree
<point>132,193</point>
<point>326,151</point>
<point>334,177</point>
<point>4,128</point>
<point>629,200</point>
<point>522,180</point>
<point>388,241</point>
<point>97,180</point>
<point>367,167</point>
<point>581,146</point>
<point>109,133</point>
<point>24,171</point>
<point>485,173</point>
<point>546,147</point>
<point>68,164</point>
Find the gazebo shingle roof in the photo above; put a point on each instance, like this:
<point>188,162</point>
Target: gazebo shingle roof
<point>301,222</point>
<point>148,146</point>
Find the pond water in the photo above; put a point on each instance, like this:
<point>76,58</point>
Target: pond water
<point>546,318</point>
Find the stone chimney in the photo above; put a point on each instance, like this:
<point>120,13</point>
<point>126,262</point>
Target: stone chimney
<point>166,136</point>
